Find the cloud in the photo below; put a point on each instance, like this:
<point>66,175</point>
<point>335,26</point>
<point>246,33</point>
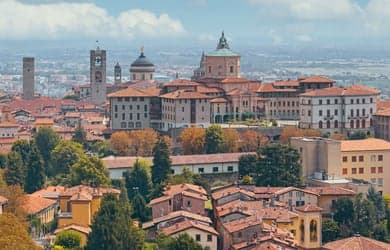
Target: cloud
<point>81,20</point>
<point>377,16</point>
<point>303,38</point>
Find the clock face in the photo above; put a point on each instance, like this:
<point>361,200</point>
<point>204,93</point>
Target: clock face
<point>98,61</point>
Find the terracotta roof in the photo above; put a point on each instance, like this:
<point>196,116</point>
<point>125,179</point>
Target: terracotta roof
<point>353,90</point>
<point>6,124</point>
<point>3,200</point>
<point>240,224</point>
<point>184,94</point>
<point>331,191</point>
<point>235,80</point>
<point>218,100</point>
<point>132,92</point>
<point>174,189</point>
<point>383,112</point>
<point>72,115</point>
<point>382,104</point>
<point>204,89</point>
<point>269,87</point>
<point>357,243</point>
<point>159,199</point>
<point>75,227</point>
<point>81,196</point>
<point>176,214</point>
<point>44,121</point>
<point>180,82</point>
<point>49,192</point>
<point>369,144</point>
<point>288,189</point>
<point>87,189</point>
<point>187,224</point>
<point>316,79</point>
<point>35,204</point>
<point>229,191</point>
<point>288,83</point>
<point>308,208</point>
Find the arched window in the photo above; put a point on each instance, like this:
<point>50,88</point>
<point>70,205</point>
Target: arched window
<point>363,123</point>
<point>357,124</point>
<point>320,124</point>
<point>313,230</point>
<point>351,124</point>
<point>328,124</point>
<point>371,122</point>
<point>302,229</point>
<point>336,124</point>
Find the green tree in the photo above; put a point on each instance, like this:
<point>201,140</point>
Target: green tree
<point>112,228</point>
<point>68,239</point>
<point>247,165</point>
<point>343,211</point>
<point>183,241</point>
<point>3,160</point>
<point>364,215</point>
<point>46,140</point>
<point>35,171</point>
<point>89,170</point>
<point>15,173</point>
<point>138,180</point>
<point>330,230</point>
<point>379,203</point>
<point>80,136</point>
<point>379,232</point>
<point>140,209</point>
<point>358,135</point>
<point>161,161</point>
<point>64,155</point>
<point>214,139</point>
<point>22,147</point>
<point>278,166</point>
<point>102,148</point>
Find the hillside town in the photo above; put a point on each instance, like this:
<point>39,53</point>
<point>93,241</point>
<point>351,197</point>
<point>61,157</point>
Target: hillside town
<point>216,162</point>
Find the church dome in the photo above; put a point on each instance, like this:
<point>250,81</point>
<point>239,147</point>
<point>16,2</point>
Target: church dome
<point>142,61</point>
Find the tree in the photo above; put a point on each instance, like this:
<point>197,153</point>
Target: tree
<point>358,135</point>
<point>120,142</point>
<point>140,209</point>
<point>247,165</point>
<point>183,241</point>
<point>193,140</point>
<point>16,200</point>
<point>102,148</point>
<point>89,170</point>
<point>65,154</point>
<point>35,171</point>
<point>46,140</point>
<point>161,161</point>
<point>380,231</point>
<point>230,140</point>
<point>214,139</point>
<point>343,208</point>
<point>291,131</point>
<point>278,166</point>
<point>3,160</point>
<point>22,147</point>
<point>141,142</point>
<point>364,215</point>
<point>138,180</point>
<point>379,203</point>
<point>68,239</point>
<point>251,140</point>
<point>14,235</point>
<point>112,228</point>
<point>330,230</point>
<point>80,136</point>
<point>15,173</point>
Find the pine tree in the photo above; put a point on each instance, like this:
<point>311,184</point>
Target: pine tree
<point>140,210</point>
<point>46,140</point>
<point>113,229</point>
<point>15,171</point>
<point>35,178</point>
<point>80,136</point>
<point>23,148</point>
<point>161,161</point>
<point>214,139</point>
<point>138,180</point>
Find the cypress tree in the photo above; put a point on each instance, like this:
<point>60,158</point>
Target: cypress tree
<point>161,161</point>
<point>35,178</point>
<point>214,139</point>
<point>140,209</point>
<point>138,180</point>
<point>15,171</point>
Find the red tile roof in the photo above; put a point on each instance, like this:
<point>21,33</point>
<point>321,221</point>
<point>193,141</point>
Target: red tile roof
<point>35,204</point>
<point>177,214</point>
<point>133,92</point>
<point>218,100</point>
<point>383,112</point>
<point>353,90</point>
<point>235,80</point>
<point>174,189</point>
<point>316,79</point>
<point>322,191</point>
<point>6,124</point>
<point>369,144</point>
<point>185,94</point>
<point>269,87</point>
<point>229,191</point>
<point>240,224</point>
<point>49,192</point>
<point>3,200</point>
<point>308,208</point>
<point>187,224</point>
<point>82,229</point>
<point>288,83</point>
<point>357,243</point>
<point>180,82</point>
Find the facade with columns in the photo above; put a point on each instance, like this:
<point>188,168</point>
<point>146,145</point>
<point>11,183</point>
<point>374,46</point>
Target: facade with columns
<point>142,69</point>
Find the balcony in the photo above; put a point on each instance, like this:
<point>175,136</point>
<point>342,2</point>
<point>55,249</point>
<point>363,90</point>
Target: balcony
<point>328,118</point>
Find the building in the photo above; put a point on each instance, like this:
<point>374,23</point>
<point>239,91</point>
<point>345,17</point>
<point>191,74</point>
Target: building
<point>28,77</point>
<point>356,242</point>
<point>339,109</point>
<point>8,129</point>
<point>220,63</point>
<point>98,76</point>
<point>41,208</point>
<point>200,164</point>
<point>3,203</point>
<point>365,160</point>
<point>117,74</point>
<point>142,69</point>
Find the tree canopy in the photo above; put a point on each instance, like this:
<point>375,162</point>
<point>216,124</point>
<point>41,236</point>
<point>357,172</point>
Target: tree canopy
<point>15,172</point>
<point>138,180</point>
<point>68,239</point>
<point>214,139</point>
<point>35,177</point>
<point>89,170</point>
<point>46,140</point>
<point>161,161</point>
<point>65,154</point>
<point>193,140</point>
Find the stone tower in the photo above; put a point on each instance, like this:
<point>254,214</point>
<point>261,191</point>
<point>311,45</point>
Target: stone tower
<point>28,78</point>
<point>142,69</point>
<point>98,76</point>
<point>117,74</point>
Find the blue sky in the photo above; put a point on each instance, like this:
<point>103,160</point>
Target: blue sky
<point>357,23</point>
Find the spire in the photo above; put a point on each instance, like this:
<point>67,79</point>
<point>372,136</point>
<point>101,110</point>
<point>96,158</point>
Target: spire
<point>223,44</point>
<point>142,51</point>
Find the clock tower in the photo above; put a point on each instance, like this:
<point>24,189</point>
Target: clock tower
<point>117,74</point>
<point>98,76</point>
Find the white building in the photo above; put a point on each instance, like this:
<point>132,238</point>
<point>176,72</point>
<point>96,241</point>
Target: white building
<point>338,109</point>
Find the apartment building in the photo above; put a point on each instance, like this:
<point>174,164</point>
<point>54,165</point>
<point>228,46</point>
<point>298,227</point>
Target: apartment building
<point>339,109</point>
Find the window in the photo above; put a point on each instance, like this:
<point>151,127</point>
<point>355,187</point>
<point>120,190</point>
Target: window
<point>209,69</point>
<point>231,69</point>
<point>380,182</point>
<point>373,170</point>
<point>351,101</point>
<point>138,124</point>
<point>345,158</point>
<point>239,234</point>
<point>130,116</point>
<point>189,204</point>
<point>345,171</point>
<point>353,170</point>
<point>309,113</point>
<point>200,170</point>
<point>320,112</point>
<point>361,158</point>
<point>327,101</point>
<point>351,112</point>
<point>380,157</point>
<point>120,99</point>
<point>182,109</point>
<point>230,168</point>
<point>353,158</point>
<point>197,237</point>
<point>145,108</point>
<point>320,102</point>
<point>146,115</point>
<point>336,124</point>
<point>320,124</point>
<point>336,101</point>
<point>373,180</point>
<point>215,169</point>
<point>371,100</point>
<point>138,116</point>
<point>361,170</point>
<point>116,108</point>
<point>123,124</point>
<point>123,116</point>
<point>209,237</point>
<point>131,107</point>
<point>380,170</point>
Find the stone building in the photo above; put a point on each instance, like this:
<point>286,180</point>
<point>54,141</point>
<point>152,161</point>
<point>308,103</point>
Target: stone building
<point>142,69</point>
<point>28,77</point>
<point>98,76</point>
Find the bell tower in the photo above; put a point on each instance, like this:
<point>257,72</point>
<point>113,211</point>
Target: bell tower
<point>98,76</point>
<point>309,226</point>
<point>117,74</point>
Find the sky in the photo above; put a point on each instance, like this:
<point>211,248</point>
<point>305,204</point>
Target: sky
<point>343,23</point>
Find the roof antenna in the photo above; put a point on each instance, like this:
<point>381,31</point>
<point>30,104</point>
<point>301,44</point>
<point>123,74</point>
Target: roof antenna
<point>97,45</point>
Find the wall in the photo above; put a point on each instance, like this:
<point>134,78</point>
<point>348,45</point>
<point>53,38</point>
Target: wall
<point>203,237</point>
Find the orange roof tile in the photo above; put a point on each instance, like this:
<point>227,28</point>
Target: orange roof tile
<point>6,124</point>
<point>357,243</point>
<point>218,100</point>
<point>3,200</point>
<point>229,191</point>
<point>353,90</point>
<point>49,192</point>
<point>235,80</point>
<point>383,112</point>
<point>132,92</point>
<point>185,94</point>
<point>308,208</point>
<point>187,224</point>
<point>288,83</point>
<point>174,189</point>
<point>35,204</point>
<point>269,87</point>
<point>369,144</point>
<point>89,190</point>
<point>288,189</point>
<point>331,191</point>
<point>82,229</point>
<point>177,214</point>
<point>204,89</point>
<point>238,225</point>
<point>382,104</point>
<point>316,79</point>
<point>180,82</point>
